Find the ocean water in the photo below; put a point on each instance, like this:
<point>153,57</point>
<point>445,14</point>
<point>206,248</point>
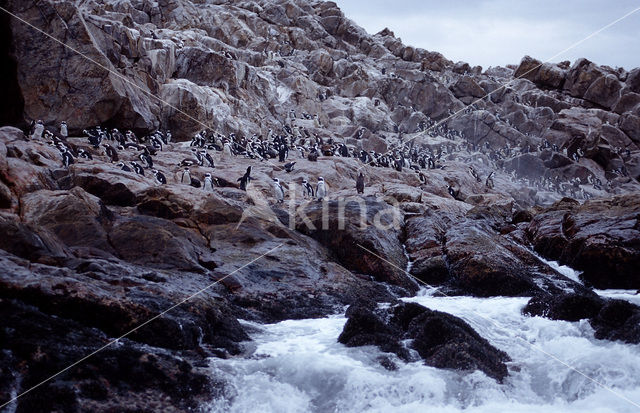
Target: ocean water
<point>557,366</point>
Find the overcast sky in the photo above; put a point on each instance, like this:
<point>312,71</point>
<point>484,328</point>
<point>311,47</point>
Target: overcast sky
<point>499,32</point>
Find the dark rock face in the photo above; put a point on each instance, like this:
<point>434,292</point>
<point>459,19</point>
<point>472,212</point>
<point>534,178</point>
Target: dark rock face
<point>611,319</point>
<point>440,339</point>
<point>600,238</point>
<point>470,257</point>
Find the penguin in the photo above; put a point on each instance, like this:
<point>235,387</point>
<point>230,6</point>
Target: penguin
<point>146,158</point>
<point>360,183</point>
<point>160,178</point>
<point>489,181</point>
<point>307,189</point>
<point>84,154</point>
<point>313,155</point>
<point>245,179</point>
<point>208,182</point>
<point>67,158</point>
<point>226,150</point>
<point>195,182</point>
<point>452,192</point>
<point>288,167</point>
<point>278,190</point>
<point>111,152</point>
<point>138,168</point>
<point>186,177</point>
<point>283,153</point>
<point>321,189</point>
<point>123,167</point>
<point>37,130</point>
<point>208,158</point>
<point>64,132</point>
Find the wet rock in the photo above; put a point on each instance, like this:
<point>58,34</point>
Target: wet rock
<point>618,320</point>
<point>600,238</point>
<point>440,339</point>
<point>568,307</point>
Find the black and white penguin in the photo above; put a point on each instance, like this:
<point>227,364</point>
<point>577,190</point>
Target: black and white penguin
<point>489,181</point>
<point>208,182</point>
<point>278,190</point>
<point>123,167</point>
<point>283,153</point>
<point>111,152</point>
<point>288,167</point>
<point>307,189</point>
<point>313,155</point>
<point>64,131</point>
<point>360,183</point>
<point>185,178</point>
<point>67,158</point>
<point>226,150</point>
<point>160,178</point>
<point>84,154</point>
<point>138,168</point>
<point>321,189</point>
<point>245,179</point>
<point>195,182</point>
<point>146,158</point>
<point>452,192</point>
<point>38,128</point>
<point>208,158</point>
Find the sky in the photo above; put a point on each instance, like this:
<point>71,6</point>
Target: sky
<point>501,32</point>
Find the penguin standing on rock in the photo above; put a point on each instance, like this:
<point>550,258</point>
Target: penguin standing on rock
<point>489,182</point>
<point>37,130</point>
<point>111,152</point>
<point>360,183</point>
<point>186,177</point>
<point>64,132</point>
<point>245,179</point>
<point>453,192</point>
<point>146,158</point>
<point>307,189</point>
<point>67,158</point>
<point>321,189</point>
<point>208,158</point>
<point>208,183</point>
<point>278,190</point>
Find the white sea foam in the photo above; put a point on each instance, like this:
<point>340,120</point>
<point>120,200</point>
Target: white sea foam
<point>298,366</point>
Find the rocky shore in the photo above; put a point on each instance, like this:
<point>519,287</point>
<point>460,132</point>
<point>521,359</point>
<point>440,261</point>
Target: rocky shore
<point>90,252</point>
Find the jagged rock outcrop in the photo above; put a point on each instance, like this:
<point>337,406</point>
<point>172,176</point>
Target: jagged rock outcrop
<point>440,339</point>
<point>601,238</point>
<point>94,251</point>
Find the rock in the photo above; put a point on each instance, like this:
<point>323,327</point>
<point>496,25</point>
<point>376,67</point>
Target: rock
<point>568,307</point>
<point>581,76</point>
<point>604,91</point>
<point>600,238</point>
<point>528,68</point>
<point>628,101</point>
<point>633,80</point>
<point>467,87</point>
<point>630,124</point>
<point>363,224</point>
<point>618,320</point>
<point>549,76</point>
<point>441,340</point>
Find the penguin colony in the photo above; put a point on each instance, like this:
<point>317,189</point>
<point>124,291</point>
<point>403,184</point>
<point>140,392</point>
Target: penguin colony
<point>404,156</point>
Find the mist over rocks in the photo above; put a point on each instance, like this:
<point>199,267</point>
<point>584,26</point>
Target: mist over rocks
<point>544,164</point>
